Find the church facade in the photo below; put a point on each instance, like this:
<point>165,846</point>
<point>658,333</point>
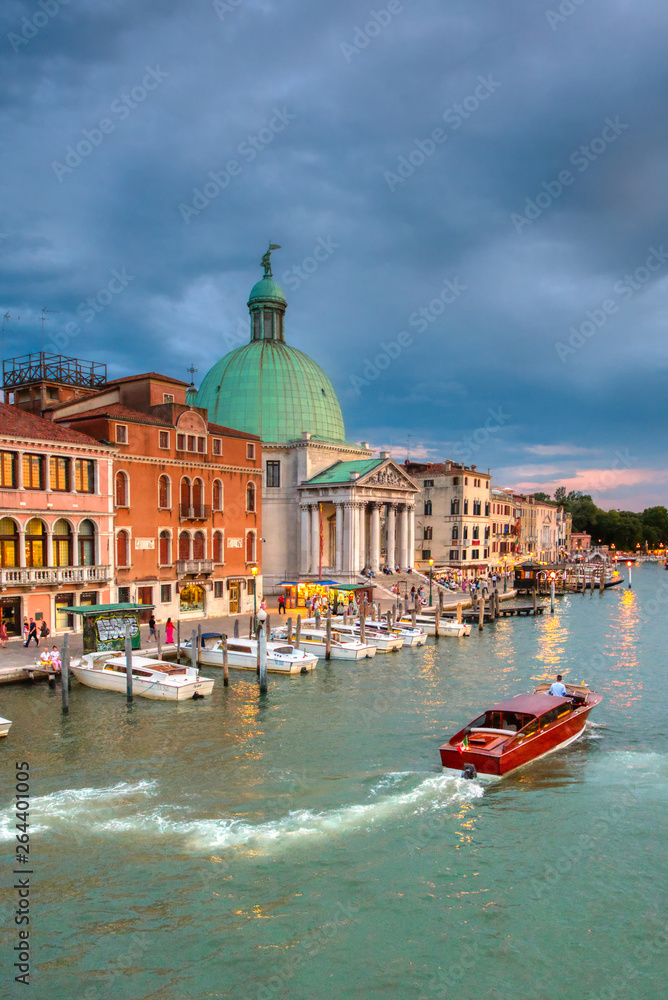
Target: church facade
<point>330,507</point>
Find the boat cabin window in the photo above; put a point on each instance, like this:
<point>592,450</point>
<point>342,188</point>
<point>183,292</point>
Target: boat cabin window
<point>553,715</point>
<point>531,728</point>
<point>283,649</point>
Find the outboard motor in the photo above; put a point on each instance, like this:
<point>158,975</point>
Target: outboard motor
<point>469,772</point>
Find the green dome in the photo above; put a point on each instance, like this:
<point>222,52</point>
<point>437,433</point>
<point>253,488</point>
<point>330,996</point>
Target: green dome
<point>266,290</point>
<point>273,390</point>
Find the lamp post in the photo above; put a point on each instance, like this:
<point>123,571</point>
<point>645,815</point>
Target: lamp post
<point>630,566</point>
<point>254,572</point>
<point>431,573</point>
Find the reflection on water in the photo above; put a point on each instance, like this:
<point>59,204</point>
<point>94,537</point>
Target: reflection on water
<point>552,636</point>
<point>625,687</point>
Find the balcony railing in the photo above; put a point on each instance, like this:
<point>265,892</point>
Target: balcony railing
<point>197,567</point>
<point>53,575</point>
<point>194,512</point>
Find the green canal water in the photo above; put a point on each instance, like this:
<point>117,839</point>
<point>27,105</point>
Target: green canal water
<point>307,845</point>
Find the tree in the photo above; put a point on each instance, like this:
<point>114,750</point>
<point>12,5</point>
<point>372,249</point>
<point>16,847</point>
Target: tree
<point>541,496</point>
<point>560,494</point>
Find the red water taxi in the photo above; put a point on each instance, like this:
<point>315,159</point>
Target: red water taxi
<point>519,731</point>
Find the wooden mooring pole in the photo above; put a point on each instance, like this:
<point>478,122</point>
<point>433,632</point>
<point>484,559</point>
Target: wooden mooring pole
<point>481,613</point>
<point>199,645</point>
<point>226,665</point>
<point>235,631</point>
<point>178,640</point>
<point>289,629</point>
<point>535,600</point>
<point>65,674</point>
<point>193,649</point>
<point>157,638</point>
<point>328,636</point>
<point>436,621</point>
<point>128,662</point>
<point>262,647</point>
<point>298,632</point>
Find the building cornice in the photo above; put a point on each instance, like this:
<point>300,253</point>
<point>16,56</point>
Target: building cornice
<point>210,466</point>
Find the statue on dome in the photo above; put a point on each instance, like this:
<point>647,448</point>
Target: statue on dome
<point>266,259</point>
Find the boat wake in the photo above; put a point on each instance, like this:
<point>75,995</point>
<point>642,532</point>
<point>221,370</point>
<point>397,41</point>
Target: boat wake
<point>70,804</point>
<point>105,813</point>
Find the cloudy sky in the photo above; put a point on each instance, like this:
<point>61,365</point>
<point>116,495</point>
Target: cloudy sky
<point>484,184</point>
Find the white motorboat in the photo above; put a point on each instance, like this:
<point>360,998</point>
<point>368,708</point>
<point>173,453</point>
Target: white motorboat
<point>384,641</point>
<point>446,626</point>
<point>282,658</point>
<point>5,726</point>
<point>150,678</point>
<point>411,636</point>
<point>343,646</point>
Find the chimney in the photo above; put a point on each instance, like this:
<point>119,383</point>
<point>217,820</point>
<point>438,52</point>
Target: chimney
<point>306,435</point>
<point>365,445</point>
<point>354,475</point>
<point>384,455</point>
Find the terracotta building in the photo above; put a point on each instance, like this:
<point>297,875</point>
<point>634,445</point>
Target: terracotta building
<point>187,497</point>
<point>56,520</point>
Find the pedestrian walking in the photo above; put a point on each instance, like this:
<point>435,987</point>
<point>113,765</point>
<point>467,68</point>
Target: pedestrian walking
<point>26,631</point>
<point>3,634</point>
<point>151,628</point>
<point>32,632</point>
<point>169,632</point>
<point>44,630</point>
<point>281,604</point>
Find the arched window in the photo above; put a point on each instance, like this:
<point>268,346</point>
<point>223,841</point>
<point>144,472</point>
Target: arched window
<point>62,543</point>
<point>250,547</point>
<point>164,493</point>
<point>428,534</point>
<point>217,495</point>
<point>9,543</point>
<point>427,507</point>
<point>122,490</point>
<point>87,543</point>
<point>122,549</point>
<point>185,497</point>
<point>198,496</point>
<point>250,497</point>
<point>218,546</point>
<point>476,531</point>
<point>454,506</point>
<point>184,545</point>
<point>199,545</point>
<point>455,533</point>
<point>35,543</point>
<point>165,548</point>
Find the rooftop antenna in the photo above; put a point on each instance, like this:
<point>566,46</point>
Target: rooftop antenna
<point>409,438</point>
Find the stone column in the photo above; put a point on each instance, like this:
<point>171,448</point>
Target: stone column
<point>346,561</point>
<point>361,560</point>
<point>338,564</point>
<point>22,546</point>
<point>410,553</point>
<point>305,554</point>
<point>375,537</point>
<point>403,537</point>
<point>315,539</point>
<point>391,526</point>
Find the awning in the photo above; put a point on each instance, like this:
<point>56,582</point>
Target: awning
<point>96,609</point>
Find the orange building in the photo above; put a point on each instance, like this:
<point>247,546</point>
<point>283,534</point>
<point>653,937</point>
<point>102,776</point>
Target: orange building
<point>56,520</point>
<point>187,497</point>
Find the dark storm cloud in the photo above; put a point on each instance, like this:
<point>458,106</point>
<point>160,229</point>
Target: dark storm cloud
<point>423,142</point>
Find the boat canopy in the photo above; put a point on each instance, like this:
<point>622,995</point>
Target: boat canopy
<point>530,704</point>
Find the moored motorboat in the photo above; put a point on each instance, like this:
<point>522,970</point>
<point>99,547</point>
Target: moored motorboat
<point>5,726</point>
<point>150,678</point>
<point>343,647</point>
<point>446,626</point>
<point>519,731</point>
<point>282,658</point>
<point>384,641</point>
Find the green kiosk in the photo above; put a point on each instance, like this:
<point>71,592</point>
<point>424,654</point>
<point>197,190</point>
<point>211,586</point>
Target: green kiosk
<point>104,625</point>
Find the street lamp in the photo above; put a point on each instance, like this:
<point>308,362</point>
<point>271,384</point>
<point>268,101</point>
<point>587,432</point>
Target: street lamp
<point>431,571</point>
<point>254,572</point>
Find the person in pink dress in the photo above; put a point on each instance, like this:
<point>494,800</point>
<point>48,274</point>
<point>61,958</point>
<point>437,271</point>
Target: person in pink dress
<point>169,631</point>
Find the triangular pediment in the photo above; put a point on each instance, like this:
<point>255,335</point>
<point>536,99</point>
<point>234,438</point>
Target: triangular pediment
<point>388,473</point>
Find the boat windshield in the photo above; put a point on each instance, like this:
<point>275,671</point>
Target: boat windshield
<point>284,649</point>
<point>507,722</point>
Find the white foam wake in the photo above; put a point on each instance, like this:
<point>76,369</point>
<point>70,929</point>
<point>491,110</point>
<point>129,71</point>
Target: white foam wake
<point>437,792</point>
<point>68,804</point>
